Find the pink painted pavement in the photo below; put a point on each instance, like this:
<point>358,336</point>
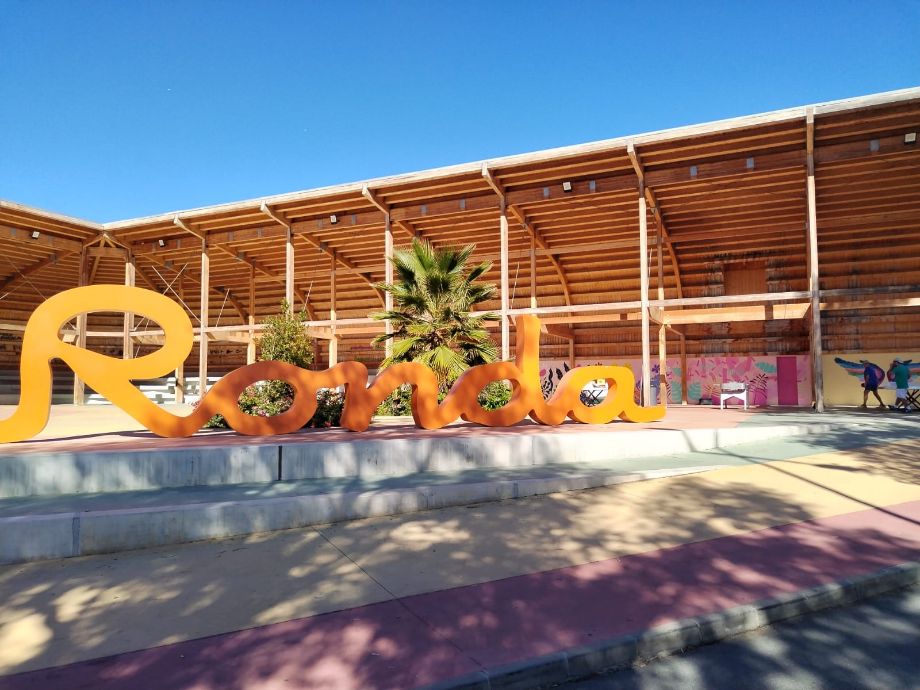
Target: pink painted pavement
<point>424,638</point>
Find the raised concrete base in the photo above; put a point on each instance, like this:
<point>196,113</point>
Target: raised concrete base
<point>46,474</point>
<point>187,517</point>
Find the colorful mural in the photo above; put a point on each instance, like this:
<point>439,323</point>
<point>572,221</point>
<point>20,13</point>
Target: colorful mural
<point>705,376</point>
<point>840,388</point>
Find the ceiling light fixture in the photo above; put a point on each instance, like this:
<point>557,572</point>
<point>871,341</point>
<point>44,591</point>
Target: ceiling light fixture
<point>161,243</point>
<point>36,234</point>
<point>333,219</point>
<point>910,138</point>
<point>566,186</point>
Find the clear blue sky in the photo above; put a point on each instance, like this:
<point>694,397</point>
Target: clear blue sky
<point>113,109</point>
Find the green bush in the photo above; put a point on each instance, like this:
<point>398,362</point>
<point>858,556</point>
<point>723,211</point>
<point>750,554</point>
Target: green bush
<point>398,403</point>
<point>495,395</point>
<point>329,404</point>
<point>284,339</point>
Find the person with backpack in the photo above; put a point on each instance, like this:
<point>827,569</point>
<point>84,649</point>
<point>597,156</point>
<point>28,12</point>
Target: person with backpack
<point>872,377</point>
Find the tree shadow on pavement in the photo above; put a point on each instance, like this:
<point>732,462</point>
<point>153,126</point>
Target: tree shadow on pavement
<point>402,601</point>
<point>872,645</point>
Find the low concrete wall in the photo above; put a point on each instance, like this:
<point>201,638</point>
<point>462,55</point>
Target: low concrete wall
<point>374,458</point>
<point>99,472</point>
<point>70,473</point>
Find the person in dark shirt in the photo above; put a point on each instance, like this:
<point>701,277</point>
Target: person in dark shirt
<point>872,376</point>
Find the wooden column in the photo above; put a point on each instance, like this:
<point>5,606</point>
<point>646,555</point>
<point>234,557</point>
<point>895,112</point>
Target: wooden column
<point>813,276</point>
<point>203,341</point>
<point>79,388</point>
<point>127,342</point>
<point>533,271</point>
<point>662,332</point>
<point>505,295</point>
<point>180,370</point>
<point>289,269</point>
<point>334,340</point>
<point>643,286</point>
<point>684,394</point>
<point>251,343</point>
<point>388,275</point>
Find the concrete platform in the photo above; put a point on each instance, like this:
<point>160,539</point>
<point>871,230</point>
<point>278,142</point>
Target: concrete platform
<point>501,594</point>
<point>123,497</point>
<point>91,450</point>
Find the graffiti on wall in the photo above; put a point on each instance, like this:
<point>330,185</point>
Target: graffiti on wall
<point>705,376</point>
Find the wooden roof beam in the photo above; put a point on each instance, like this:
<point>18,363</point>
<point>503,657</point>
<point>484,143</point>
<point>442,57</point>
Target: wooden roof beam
<point>220,291</point>
<point>312,241</point>
<point>531,230</point>
<point>239,256</point>
<point>43,239</point>
<point>32,269</point>
<point>656,213</point>
<point>767,312</point>
<point>402,224</point>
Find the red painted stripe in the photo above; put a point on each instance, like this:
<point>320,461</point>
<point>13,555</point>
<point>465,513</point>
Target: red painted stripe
<point>443,634</point>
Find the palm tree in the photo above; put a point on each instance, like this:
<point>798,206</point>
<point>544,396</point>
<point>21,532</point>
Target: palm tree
<point>432,298</point>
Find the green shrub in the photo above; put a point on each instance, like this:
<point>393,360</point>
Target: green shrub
<point>398,403</point>
<point>267,399</point>
<point>495,395</point>
<point>284,339</point>
<point>329,404</point>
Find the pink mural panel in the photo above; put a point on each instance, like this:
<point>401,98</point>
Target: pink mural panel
<point>765,376</point>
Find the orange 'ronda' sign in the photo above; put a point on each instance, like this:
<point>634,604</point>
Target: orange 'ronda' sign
<point>112,378</point>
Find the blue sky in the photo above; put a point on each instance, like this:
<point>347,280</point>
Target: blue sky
<point>115,109</point>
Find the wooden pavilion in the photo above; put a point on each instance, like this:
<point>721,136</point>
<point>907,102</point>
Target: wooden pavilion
<point>795,231</point>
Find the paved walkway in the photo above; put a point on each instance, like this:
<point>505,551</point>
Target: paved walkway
<point>871,645</point>
<point>404,601</point>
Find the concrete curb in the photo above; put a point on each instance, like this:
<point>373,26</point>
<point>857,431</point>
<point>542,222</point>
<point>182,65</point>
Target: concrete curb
<point>622,652</point>
<point>63,535</point>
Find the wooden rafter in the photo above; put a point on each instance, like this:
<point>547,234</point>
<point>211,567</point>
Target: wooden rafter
<point>238,256</point>
<point>532,231</point>
<point>32,269</point>
<point>313,242</point>
<point>220,291</point>
<point>403,225</point>
<point>656,214</point>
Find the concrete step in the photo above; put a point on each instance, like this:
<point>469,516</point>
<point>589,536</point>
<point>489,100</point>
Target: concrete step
<point>221,458</point>
<point>39,528</point>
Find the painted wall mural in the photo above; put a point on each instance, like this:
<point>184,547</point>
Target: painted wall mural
<point>770,382</point>
<point>840,388</point>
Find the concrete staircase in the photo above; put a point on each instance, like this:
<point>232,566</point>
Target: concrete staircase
<point>63,504</point>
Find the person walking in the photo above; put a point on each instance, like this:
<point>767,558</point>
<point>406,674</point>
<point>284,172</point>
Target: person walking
<point>901,376</point>
<point>872,377</point>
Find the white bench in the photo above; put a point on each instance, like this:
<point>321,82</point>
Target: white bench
<point>733,389</point>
